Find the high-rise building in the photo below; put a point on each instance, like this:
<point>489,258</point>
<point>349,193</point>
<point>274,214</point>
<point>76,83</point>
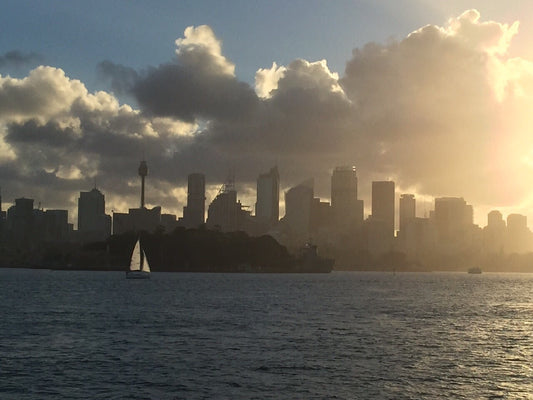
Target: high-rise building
<point>407,210</point>
<point>347,210</point>
<point>452,216</point>
<point>21,221</point>
<point>383,204</point>
<point>194,211</point>
<point>298,203</point>
<point>137,220</point>
<point>55,224</point>
<point>494,233</point>
<point>2,216</point>
<point>267,205</point>
<point>225,212</point>
<point>93,223</point>
<point>495,220</point>
<point>519,238</point>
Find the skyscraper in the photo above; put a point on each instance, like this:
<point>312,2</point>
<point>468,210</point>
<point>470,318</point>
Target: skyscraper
<point>347,210</point>
<point>383,204</point>
<point>194,212</point>
<point>225,212</point>
<point>93,223</point>
<point>2,217</point>
<point>407,210</point>
<point>2,213</point>
<point>298,203</point>
<point>267,205</point>
<point>519,238</point>
<point>453,217</point>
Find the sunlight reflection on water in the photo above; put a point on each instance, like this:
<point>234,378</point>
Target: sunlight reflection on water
<point>343,335</point>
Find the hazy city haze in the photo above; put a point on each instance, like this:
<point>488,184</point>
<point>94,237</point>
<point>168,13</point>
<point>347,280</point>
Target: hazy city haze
<point>443,111</point>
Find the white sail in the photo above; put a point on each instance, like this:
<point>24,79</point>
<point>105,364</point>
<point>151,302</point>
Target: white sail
<point>135,261</point>
<point>145,266</point>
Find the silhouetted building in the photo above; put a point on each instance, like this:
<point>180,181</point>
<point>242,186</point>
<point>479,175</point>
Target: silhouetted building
<point>494,233</point>
<point>378,236</point>
<point>56,226</point>
<point>137,220</point>
<point>383,205</point>
<point>225,212</point>
<point>20,221</point>
<point>321,216</point>
<point>194,212</point>
<point>407,210</point>
<point>452,217</point>
<point>495,220</point>
<point>518,235</point>
<point>93,223</point>
<point>454,222</point>
<point>419,238</point>
<point>2,217</point>
<point>267,205</point>
<point>168,222</point>
<point>347,210</point>
<point>297,217</point>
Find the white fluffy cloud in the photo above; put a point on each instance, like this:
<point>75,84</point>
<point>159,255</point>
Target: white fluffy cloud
<point>200,48</point>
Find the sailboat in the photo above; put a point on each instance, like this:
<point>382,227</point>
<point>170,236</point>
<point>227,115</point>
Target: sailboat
<point>139,267</point>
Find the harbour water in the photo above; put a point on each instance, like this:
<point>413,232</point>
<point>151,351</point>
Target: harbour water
<point>349,335</point>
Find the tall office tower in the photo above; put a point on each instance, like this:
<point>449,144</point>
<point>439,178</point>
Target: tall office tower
<point>452,217</point>
<point>494,233</point>
<point>346,208</point>
<point>20,220</point>
<point>1,216</point>
<point>383,204</point>
<point>407,210</point>
<point>298,203</point>
<point>267,205</point>
<point>518,235</point>
<point>2,213</point>
<point>93,223</point>
<point>143,171</point>
<point>495,220</point>
<point>516,222</point>
<point>194,212</point>
<point>225,212</point>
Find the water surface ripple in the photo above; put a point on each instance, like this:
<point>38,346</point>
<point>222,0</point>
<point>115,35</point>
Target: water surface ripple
<point>80,335</point>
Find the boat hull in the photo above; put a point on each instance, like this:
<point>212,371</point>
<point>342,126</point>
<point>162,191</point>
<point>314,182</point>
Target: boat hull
<point>137,275</point>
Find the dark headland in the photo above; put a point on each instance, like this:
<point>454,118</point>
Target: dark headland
<point>183,250</point>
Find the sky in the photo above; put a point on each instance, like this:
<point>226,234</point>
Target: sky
<point>433,95</point>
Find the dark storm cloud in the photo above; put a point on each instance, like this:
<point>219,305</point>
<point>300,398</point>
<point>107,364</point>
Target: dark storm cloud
<point>175,91</point>
<point>199,83</point>
<point>19,59</point>
<point>49,134</point>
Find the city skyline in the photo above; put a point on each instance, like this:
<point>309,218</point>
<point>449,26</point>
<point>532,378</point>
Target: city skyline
<point>437,102</point>
<point>387,204</point>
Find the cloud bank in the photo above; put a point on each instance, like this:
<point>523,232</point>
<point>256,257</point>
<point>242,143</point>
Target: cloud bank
<point>444,111</point>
